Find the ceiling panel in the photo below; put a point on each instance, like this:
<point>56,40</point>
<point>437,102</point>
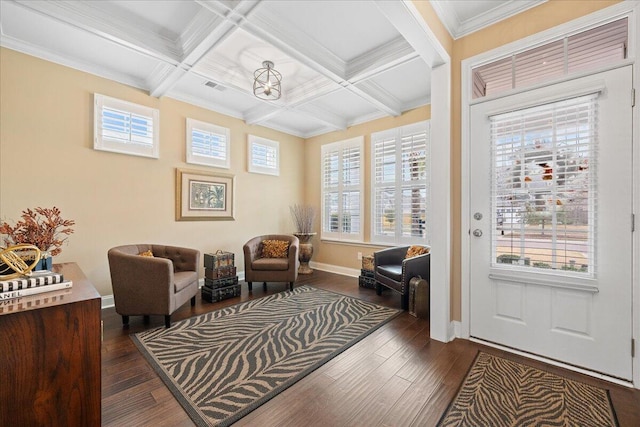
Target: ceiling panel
<point>413,84</point>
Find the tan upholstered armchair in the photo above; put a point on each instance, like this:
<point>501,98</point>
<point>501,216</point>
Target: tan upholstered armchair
<point>393,270</point>
<point>144,285</point>
<point>267,269</point>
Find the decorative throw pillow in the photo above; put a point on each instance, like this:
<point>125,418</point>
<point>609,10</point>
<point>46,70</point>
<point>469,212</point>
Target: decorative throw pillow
<point>146,253</point>
<point>275,249</point>
<point>416,250</point>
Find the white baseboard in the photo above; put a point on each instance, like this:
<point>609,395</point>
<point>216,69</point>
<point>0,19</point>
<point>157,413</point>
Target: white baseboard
<point>107,301</point>
<point>345,271</point>
<point>456,328</point>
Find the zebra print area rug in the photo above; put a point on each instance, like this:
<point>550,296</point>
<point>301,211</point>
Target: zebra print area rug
<point>224,364</point>
<point>500,392</point>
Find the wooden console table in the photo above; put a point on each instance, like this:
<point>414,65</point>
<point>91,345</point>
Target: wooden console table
<point>50,356</point>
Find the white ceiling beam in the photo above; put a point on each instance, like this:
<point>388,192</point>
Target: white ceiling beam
<point>261,113</point>
<point>332,120</point>
<point>380,59</point>
<point>409,23</point>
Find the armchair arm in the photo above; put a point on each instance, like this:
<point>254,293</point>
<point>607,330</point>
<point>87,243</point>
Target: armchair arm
<point>251,248</point>
<point>293,254</point>
<point>417,266</point>
<point>390,256</point>
<point>135,277</point>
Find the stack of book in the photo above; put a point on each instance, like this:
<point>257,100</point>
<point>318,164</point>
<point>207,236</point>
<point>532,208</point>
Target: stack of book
<point>37,283</point>
<point>220,280</point>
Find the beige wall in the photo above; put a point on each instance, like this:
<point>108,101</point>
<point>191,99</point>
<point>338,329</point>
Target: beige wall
<point>340,254</point>
<point>47,158</point>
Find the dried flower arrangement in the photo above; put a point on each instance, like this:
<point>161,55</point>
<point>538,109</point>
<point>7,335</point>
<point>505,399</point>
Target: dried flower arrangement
<point>42,227</point>
<point>303,216</point>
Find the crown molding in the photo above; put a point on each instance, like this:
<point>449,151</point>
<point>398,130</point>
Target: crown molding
<point>115,27</point>
<point>12,43</point>
<point>458,28</point>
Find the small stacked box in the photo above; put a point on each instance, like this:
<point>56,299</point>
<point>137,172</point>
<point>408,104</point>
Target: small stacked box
<point>367,275</point>
<point>220,280</point>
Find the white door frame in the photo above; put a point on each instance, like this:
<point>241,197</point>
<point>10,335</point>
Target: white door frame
<point>630,8</point>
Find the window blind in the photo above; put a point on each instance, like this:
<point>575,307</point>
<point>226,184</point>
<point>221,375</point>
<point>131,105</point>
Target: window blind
<point>605,44</point>
<point>126,127</point>
<point>208,144</point>
<point>544,194</point>
<point>342,190</point>
<point>264,156</point>
<point>401,164</point>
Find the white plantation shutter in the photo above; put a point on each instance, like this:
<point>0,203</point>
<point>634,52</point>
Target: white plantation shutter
<point>342,190</point>
<point>208,144</point>
<point>124,127</point>
<point>264,155</point>
<point>401,169</point>
<point>596,47</point>
<point>544,164</point>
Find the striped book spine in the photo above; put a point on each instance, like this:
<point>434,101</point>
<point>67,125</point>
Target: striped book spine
<point>34,290</point>
<point>31,282</point>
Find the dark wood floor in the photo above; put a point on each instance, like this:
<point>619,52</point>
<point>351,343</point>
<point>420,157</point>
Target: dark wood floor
<point>396,376</point>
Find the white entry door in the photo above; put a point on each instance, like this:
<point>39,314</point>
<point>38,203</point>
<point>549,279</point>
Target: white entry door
<point>551,226</point>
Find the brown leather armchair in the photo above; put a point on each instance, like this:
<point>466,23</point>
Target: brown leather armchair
<point>260,269</point>
<point>144,285</point>
<point>393,270</point>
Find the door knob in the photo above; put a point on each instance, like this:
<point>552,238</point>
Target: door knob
<point>477,232</point>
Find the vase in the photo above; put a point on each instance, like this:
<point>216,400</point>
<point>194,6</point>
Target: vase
<point>45,263</point>
<point>305,252</point>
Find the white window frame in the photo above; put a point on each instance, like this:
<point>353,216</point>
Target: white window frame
<point>104,143</point>
<point>199,159</point>
<point>255,167</point>
<point>341,187</point>
<point>398,133</point>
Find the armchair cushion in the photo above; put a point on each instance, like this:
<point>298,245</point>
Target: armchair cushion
<point>271,264</point>
<point>275,248</point>
<point>147,253</point>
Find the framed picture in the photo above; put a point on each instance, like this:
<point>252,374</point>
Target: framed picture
<point>204,196</point>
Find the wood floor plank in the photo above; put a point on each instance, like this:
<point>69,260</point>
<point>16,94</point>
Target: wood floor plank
<point>396,376</point>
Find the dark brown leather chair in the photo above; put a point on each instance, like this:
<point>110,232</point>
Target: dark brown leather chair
<point>393,270</point>
<point>260,269</point>
<point>143,286</point>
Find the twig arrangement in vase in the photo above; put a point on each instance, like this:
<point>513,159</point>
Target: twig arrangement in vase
<point>41,227</point>
<point>303,217</point>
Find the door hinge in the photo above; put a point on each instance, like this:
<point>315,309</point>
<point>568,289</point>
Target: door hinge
<point>633,348</point>
<point>633,97</point>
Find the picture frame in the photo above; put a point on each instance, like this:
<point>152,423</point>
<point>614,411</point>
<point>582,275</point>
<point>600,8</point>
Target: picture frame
<point>204,196</point>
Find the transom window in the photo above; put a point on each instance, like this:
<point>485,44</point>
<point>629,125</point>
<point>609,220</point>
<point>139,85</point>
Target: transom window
<point>264,155</point>
<point>597,47</point>
<point>208,144</point>
<point>125,127</point>
<point>400,189</point>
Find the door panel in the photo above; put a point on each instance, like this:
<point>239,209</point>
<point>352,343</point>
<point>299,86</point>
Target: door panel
<point>551,248</point>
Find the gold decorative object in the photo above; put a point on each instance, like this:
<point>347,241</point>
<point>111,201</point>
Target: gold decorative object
<point>14,259</point>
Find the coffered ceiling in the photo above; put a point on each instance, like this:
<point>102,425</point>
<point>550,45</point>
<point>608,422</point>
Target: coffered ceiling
<point>342,62</point>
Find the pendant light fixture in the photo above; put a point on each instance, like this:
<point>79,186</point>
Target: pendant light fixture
<point>266,82</point>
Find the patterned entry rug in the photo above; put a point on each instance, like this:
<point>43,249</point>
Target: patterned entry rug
<point>224,364</point>
<point>499,392</point>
